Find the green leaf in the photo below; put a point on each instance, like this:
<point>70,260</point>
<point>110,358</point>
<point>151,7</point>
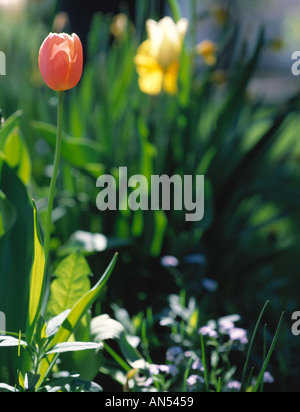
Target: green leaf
<point>160,227</point>
<point>104,327</point>
<point>7,388</point>
<point>36,280</point>
<point>73,381</point>
<point>55,323</point>
<point>78,311</point>
<point>16,251</point>
<point>73,347</point>
<point>251,346</point>
<point>17,156</point>
<point>131,354</point>
<point>31,381</point>
<point>82,153</point>
<point>10,341</point>
<point>270,353</point>
<point>9,125</point>
<point>7,214</point>
<point>71,282</point>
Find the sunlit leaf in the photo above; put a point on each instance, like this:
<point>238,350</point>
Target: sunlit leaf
<point>70,283</point>
<point>17,156</point>
<point>78,311</point>
<point>36,280</point>
<point>103,327</point>
<point>73,347</point>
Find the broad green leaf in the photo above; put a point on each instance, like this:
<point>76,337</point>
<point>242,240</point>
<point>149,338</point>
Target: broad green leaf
<point>79,152</point>
<point>7,214</point>
<point>16,251</point>
<point>78,311</point>
<point>73,347</point>
<point>70,283</point>
<point>9,125</point>
<point>17,156</point>
<point>103,327</point>
<point>36,280</point>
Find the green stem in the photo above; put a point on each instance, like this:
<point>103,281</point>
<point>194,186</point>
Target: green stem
<point>194,22</point>
<point>175,8</point>
<point>117,358</point>
<point>206,377</point>
<point>54,178</point>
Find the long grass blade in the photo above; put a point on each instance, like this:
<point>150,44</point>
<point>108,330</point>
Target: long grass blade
<point>251,346</point>
<point>266,363</point>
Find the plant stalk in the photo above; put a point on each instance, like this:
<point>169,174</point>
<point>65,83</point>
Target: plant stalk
<point>54,178</point>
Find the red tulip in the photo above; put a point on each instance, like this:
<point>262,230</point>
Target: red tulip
<point>61,61</point>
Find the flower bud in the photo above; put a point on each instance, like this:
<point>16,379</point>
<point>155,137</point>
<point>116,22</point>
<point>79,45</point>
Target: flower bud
<point>61,61</point>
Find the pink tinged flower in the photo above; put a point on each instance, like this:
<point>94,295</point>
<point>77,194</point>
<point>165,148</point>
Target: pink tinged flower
<point>169,262</point>
<point>192,382</point>
<point>208,331</point>
<point>268,378</point>
<point>234,385</point>
<point>238,335</point>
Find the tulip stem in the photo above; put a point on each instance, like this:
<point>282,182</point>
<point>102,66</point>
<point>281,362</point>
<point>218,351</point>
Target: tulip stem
<point>54,178</point>
<point>175,8</point>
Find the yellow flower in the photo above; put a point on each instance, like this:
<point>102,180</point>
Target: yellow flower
<point>158,58</point>
<point>208,51</point>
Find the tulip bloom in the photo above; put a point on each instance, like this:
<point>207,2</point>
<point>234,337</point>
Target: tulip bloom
<point>61,61</point>
<point>158,58</point>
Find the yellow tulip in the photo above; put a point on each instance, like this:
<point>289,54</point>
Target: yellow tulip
<point>158,58</point>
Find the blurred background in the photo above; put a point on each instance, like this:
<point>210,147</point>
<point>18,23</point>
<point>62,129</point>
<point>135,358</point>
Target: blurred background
<point>236,122</point>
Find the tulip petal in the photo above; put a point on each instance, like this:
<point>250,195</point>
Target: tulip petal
<point>144,59</point>
<point>76,66</point>
<point>151,82</point>
<point>170,79</point>
<point>57,71</point>
<point>182,27</point>
<point>150,73</point>
<point>155,36</point>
